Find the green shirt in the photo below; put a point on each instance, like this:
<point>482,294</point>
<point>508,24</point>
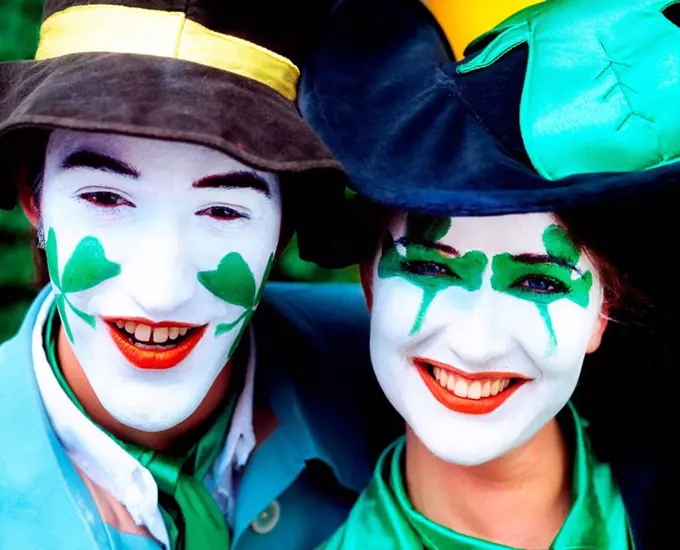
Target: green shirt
<point>384,517</point>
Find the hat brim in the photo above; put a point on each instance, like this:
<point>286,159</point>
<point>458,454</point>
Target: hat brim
<point>161,98</point>
<point>158,98</point>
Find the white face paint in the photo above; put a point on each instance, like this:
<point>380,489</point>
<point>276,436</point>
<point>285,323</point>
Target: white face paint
<point>136,229</point>
<point>479,328</point>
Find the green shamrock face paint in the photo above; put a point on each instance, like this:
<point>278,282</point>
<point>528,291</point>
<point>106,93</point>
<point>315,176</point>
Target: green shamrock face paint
<point>234,283</point>
<point>86,268</point>
<point>160,339</point>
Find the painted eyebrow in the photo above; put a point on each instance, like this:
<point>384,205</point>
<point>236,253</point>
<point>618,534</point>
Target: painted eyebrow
<point>546,259</point>
<point>446,249</point>
<point>85,158</point>
<point>235,180</point>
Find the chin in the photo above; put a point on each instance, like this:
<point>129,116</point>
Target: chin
<point>473,456</point>
<point>148,421</point>
<point>150,409</point>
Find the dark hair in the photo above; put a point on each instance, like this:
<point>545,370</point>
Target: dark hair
<point>582,228</point>
<point>631,241</point>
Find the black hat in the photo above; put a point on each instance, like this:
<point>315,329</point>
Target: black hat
<point>219,74</point>
<point>565,104</point>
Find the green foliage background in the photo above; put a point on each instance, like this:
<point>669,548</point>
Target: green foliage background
<point>19,26</point>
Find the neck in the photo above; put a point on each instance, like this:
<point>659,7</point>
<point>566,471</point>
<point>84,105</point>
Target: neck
<point>160,441</point>
<point>520,499</point>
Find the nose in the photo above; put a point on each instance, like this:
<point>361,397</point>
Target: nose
<point>477,334</point>
<point>159,274</point>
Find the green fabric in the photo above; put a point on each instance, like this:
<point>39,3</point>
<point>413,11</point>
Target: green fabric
<point>384,517</point>
<point>192,517</point>
<point>585,85</point>
<point>19,23</point>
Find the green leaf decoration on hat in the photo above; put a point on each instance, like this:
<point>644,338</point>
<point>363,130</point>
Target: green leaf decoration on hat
<point>600,91</point>
<point>87,267</point>
<point>233,282</point>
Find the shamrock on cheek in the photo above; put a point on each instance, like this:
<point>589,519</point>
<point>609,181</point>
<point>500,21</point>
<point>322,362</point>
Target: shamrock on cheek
<point>87,267</point>
<point>234,283</point>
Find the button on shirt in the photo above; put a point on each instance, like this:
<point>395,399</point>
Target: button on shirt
<point>110,467</point>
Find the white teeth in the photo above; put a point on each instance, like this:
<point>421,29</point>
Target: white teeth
<point>464,387</point>
<point>143,333</point>
<point>160,335</point>
<point>461,389</point>
<point>486,389</point>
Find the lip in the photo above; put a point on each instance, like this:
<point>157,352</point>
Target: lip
<point>155,359</point>
<point>483,405</point>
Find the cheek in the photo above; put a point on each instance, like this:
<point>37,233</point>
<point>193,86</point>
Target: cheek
<point>257,243</point>
<point>395,306</point>
<point>572,327</point>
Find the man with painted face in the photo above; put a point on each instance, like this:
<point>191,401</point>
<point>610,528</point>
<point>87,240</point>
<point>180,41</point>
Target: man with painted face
<point>156,148</point>
<point>507,183</point>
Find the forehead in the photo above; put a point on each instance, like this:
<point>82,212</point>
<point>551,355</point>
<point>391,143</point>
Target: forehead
<point>148,156</point>
<point>518,233</point>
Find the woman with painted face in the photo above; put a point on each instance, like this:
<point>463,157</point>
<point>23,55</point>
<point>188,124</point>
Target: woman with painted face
<point>505,263</point>
<point>145,404</point>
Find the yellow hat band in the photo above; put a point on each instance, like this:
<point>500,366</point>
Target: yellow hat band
<point>129,30</point>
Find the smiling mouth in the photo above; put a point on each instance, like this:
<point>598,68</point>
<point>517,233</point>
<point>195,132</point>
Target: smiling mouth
<point>479,393</point>
<point>154,346</point>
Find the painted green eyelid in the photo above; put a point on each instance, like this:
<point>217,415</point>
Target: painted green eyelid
<point>468,269</point>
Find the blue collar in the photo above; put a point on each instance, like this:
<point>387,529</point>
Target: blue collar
<point>309,368</point>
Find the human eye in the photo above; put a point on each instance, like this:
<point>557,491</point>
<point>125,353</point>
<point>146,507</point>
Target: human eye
<point>541,284</point>
<point>222,213</point>
<point>105,199</point>
<point>427,268</point>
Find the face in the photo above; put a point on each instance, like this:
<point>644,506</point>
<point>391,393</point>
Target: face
<point>157,252</point>
<point>480,327</point>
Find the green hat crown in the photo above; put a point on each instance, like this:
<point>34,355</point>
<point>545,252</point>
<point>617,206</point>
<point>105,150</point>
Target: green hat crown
<point>602,86</point>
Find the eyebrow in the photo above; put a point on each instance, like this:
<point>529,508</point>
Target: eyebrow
<point>235,180</point>
<point>446,249</point>
<point>546,259</point>
<point>84,158</point>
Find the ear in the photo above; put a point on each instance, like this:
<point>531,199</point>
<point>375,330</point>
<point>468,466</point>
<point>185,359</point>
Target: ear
<point>27,200</point>
<point>366,277</point>
<point>598,330</point>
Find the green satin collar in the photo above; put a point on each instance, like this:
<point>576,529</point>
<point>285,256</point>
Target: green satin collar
<point>385,518</point>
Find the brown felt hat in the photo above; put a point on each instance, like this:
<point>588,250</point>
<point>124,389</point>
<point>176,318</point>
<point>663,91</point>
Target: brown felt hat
<point>216,73</point>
